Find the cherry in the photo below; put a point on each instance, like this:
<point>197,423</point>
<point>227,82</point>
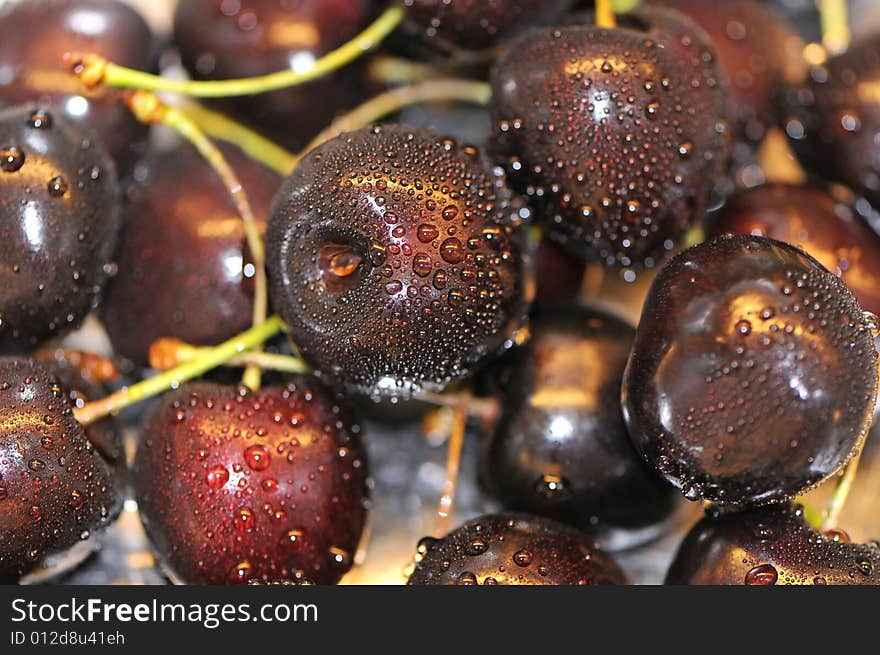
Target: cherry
<point>769,546</point>
<point>759,52</point>
<point>37,34</point>
<point>235,485</point>
<point>395,258</point>
<point>827,228</point>
<point>618,150</point>
<point>59,216</point>
<point>558,274</point>
<point>753,375</point>
<point>834,120</point>
<point>514,549</point>
<point>473,25</point>
<point>560,447</point>
<point>183,259</point>
<point>256,37</point>
<point>55,487</point>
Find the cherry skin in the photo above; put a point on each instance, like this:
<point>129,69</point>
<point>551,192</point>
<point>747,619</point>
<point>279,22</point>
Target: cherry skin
<point>759,52</point>
<point>753,375</point>
<point>834,120</point>
<point>183,259</point>
<point>811,219</point>
<point>618,150</point>
<point>37,34</point>
<point>475,25</point>
<point>55,486</point>
<point>514,549</point>
<point>59,217</point>
<point>235,486</point>
<point>256,37</point>
<point>771,546</point>
<point>558,274</point>
<point>560,447</point>
<point>395,258</point>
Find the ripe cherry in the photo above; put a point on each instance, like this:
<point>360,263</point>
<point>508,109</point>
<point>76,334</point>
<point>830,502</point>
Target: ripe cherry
<point>514,549</point>
<point>395,258</point>
<point>771,546</point>
<point>235,486</point>
<point>753,375</point>
<point>35,37</point>
<point>824,226</point>
<point>183,259</point>
<point>560,447</point>
<point>56,487</point>
<point>616,136</point>
<point>59,216</point>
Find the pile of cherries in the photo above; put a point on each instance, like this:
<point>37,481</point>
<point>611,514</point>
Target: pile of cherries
<point>405,265</point>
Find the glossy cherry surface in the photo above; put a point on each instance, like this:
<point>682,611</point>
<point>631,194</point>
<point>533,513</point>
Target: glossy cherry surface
<point>834,121</point>
<point>616,135</point>
<point>248,38</point>
<point>183,258</point>
<point>825,227</point>
<point>59,217</point>
<point>55,486</point>
<point>514,549</point>
<point>753,375</point>
<point>38,33</point>
<point>395,258</point>
<point>560,448</point>
<point>235,486</point>
<point>771,546</point>
<point>558,274</point>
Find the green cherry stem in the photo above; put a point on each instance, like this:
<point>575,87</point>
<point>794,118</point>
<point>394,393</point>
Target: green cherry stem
<point>93,69</point>
<point>605,14</point>
<point>147,108</point>
<point>170,352</point>
<point>840,494</point>
<point>209,359</point>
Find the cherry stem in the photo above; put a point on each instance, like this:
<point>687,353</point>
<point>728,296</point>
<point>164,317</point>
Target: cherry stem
<point>147,108</point>
<point>167,353</point>
<point>841,493</point>
<point>253,144</point>
<point>836,35</point>
<point>453,463</point>
<point>605,14</point>
<point>209,359</point>
<point>93,69</point>
<point>482,408</point>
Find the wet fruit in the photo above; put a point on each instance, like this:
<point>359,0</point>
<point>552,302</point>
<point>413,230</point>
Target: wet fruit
<point>35,37</point>
<point>229,40</point>
<point>753,375</point>
<point>514,549</point>
<point>824,226</point>
<point>558,274</point>
<point>183,259</point>
<point>615,137</point>
<point>771,546</point>
<point>560,447</point>
<point>59,216</point>
<point>834,120</point>
<point>55,487</point>
<point>395,258</point>
<point>235,486</point>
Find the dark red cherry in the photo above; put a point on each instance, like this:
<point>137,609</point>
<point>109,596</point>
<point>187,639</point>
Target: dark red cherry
<point>827,228</point>
<point>476,24</point>
<point>183,259</point>
<point>558,274</point>
<point>560,447</point>
<point>59,217</point>
<point>770,546</point>
<point>759,52</point>
<point>753,375</point>
<point>56,488</point>
<point>395,258</point>
<point>616,135</point>
<point>235,486</point>
<point>247,38</point>
<point>514,549</point>
<point>35,37</point>
<point>834,120</point>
